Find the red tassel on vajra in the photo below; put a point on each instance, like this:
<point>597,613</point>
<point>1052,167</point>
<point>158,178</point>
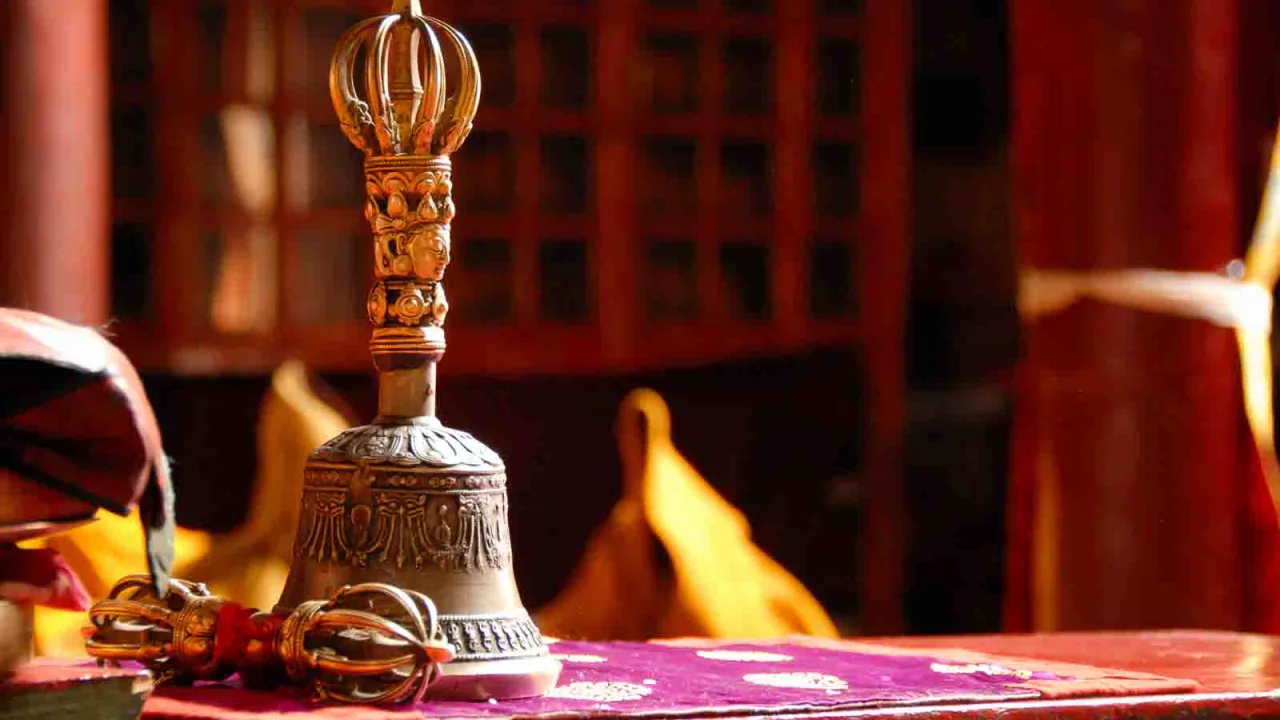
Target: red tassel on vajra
<point>237,627</point>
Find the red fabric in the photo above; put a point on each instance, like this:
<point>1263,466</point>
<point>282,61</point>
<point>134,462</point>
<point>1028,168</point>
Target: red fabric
<point>237,627</point>
<point>51,675</point>
<point>716,677</point>
<point>85,439</point>
<point>40,577</point>
<point>78,433</point>
<point>117,411</point>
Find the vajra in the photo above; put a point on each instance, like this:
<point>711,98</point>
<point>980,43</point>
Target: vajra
<point>369,643</point>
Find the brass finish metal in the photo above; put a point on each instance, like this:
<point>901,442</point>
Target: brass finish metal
<point>173,635</point>
<point>405,500</point>
<point>369,643</point>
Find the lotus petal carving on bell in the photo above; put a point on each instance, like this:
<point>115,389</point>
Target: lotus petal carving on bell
<point>426,442</point>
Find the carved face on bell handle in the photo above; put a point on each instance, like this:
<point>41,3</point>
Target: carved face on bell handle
<point>428,248</point>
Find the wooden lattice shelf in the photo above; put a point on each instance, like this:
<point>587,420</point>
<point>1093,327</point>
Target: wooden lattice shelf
<point>648,183</point>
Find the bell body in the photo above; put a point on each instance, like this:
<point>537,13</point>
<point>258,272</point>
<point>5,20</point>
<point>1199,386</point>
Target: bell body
<point>406,501</point>
<point>409,502</point>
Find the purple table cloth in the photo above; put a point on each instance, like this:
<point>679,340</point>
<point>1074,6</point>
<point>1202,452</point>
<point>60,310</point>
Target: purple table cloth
<point>701,678</point>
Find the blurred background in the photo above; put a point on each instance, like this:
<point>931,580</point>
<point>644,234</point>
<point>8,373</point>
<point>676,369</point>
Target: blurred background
<point>801,221</point>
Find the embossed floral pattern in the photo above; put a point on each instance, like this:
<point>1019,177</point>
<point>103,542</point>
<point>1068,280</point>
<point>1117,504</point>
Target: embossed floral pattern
<point>429,444</point>
<point>601,691</point>
<point>658,680</point>
<point>797,680</point>
<point>468,534</point>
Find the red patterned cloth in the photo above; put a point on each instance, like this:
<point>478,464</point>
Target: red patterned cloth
<point>693,677</point>
<point>77,433</point>
<point>40,576</point>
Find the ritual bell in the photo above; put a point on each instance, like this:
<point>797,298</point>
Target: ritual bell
<point>405,500</point>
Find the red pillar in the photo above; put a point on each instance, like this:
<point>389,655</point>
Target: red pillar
<point>54,158</point>
<point>1129,470</point>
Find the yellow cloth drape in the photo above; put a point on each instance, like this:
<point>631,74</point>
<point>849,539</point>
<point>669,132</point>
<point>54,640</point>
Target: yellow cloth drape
<point>100,553</point>
<point>718,583</point>
<point>248,564</point>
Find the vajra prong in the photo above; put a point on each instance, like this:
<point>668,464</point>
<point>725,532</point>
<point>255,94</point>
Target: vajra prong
<point>368,643</point>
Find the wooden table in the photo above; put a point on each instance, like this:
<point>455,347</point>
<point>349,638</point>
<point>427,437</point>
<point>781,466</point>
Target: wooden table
<point>1239,674</point>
